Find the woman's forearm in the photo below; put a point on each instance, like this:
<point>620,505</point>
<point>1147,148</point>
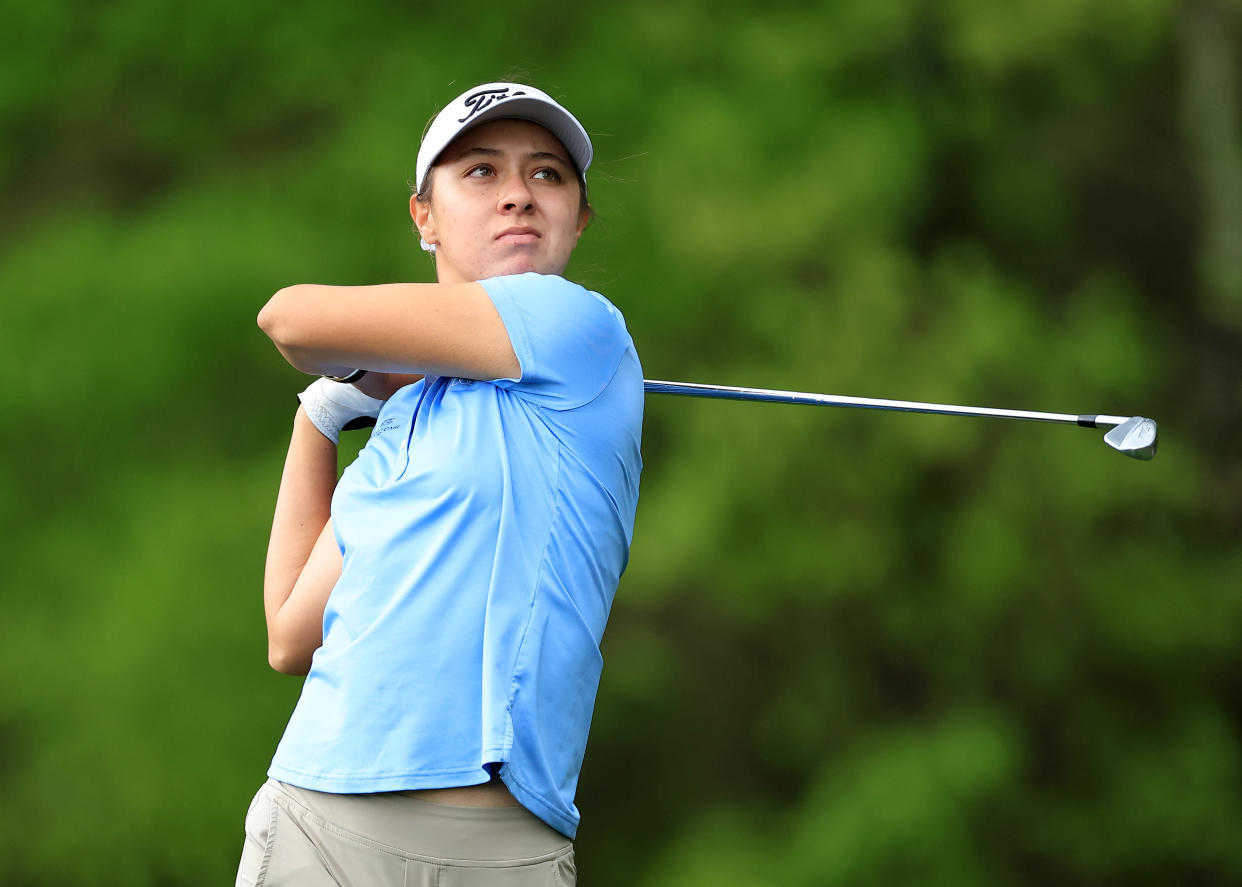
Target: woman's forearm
<point>441,329</point>
<point>302,512</point>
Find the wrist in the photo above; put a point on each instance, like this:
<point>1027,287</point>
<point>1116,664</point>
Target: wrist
<point>331,406</point>
<point>348,378</point>
<point>304,426</point>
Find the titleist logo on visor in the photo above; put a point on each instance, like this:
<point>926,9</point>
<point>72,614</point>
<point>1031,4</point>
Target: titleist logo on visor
<point>485,98</point>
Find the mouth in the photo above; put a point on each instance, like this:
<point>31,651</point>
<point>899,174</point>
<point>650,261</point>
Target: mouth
<point>518,235</point>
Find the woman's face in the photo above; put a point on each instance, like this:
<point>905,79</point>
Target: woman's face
<point>505,200</point>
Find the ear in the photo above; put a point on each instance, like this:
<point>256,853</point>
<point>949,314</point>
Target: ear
<point>424,221</point>
<point>584,219</point>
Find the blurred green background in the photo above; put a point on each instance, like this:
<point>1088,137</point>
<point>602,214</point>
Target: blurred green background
<point>851,648</point>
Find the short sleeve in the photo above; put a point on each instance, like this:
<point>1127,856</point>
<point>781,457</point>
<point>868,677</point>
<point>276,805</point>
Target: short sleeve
<point>568,340</point>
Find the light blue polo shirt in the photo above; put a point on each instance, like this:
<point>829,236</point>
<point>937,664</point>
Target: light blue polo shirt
<point>483,527</point>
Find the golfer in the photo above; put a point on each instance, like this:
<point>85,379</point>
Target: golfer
<point>446,598</point>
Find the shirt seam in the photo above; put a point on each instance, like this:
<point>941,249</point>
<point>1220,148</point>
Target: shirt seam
<point>534,597</point>
<point>369,775</point>
<point>529,349</point>
<point>552,810</point>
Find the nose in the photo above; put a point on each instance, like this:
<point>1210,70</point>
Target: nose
<point>515,195</point>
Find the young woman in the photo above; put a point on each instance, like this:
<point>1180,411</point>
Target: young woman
<point>447,597</point>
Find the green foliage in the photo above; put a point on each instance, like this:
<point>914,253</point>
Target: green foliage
<point>850,647</point>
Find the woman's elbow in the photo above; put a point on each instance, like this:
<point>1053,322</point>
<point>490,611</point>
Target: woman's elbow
<point>290,665</point>
<point>275,315</point>
<point>280,320</point>
<point>287,660</point>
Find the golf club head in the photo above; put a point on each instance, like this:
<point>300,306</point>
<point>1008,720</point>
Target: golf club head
<point>1136,437</point>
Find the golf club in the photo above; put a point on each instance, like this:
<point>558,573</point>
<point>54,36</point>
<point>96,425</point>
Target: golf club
<point>1135,436</point>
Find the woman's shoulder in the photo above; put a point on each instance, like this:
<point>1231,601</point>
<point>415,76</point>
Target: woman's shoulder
<point>556,295</point>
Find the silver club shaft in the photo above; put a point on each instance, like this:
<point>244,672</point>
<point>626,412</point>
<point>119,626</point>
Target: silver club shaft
<point>727,392</point>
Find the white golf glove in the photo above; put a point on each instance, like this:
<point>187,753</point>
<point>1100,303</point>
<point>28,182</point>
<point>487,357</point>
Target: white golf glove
<point>332,406</point>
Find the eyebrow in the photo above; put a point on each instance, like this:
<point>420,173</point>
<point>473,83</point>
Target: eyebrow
<point>496,152</point>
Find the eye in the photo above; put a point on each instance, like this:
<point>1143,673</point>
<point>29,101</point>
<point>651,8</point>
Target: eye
<point>548,175</point>
<point>479,171</point>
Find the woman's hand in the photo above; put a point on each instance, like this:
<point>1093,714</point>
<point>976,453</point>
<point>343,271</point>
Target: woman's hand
<point>385,385</point>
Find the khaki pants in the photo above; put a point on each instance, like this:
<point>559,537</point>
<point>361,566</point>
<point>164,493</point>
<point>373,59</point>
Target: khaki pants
<point>299,837</point>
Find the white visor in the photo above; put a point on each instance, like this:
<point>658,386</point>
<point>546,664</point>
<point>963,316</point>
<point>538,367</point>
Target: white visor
<point>499,101</point>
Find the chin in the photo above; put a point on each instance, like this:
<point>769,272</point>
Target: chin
<point>525,264</point>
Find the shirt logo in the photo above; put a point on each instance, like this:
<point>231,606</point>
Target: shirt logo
<point>387,425</point>
<point>485,98</point>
